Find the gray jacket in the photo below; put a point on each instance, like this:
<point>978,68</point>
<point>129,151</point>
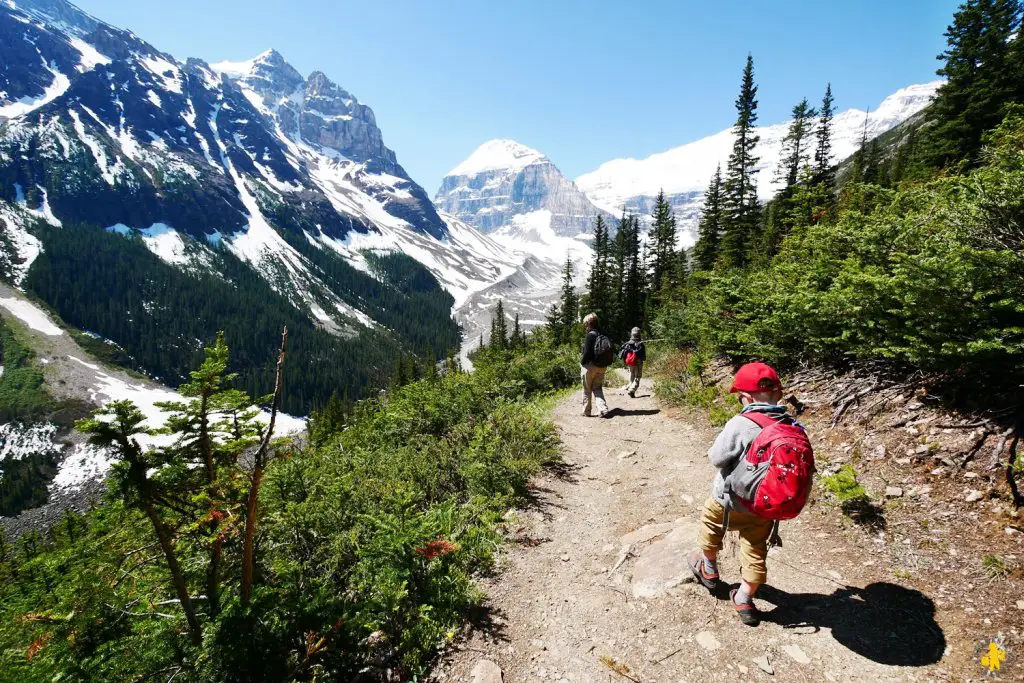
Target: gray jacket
<point>732,444</point>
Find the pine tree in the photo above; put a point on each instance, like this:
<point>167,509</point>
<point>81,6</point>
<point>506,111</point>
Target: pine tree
<point>709,230</point>
<point>599,298</point>
<point>569,306</point>
<point>499,338</point>
<point>556,333</point>
<point>662,247</point>
<point>824,169</point>
<point>430,364</point>
<point>633,280</point>
<point>517,339</point>
<point>619,266</point>
<point>741,208</point>
<point>980,80</point>
<point>795,146</point>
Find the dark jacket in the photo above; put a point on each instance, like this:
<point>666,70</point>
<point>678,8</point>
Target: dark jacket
<point>587,350</point>
<point>637,347</point>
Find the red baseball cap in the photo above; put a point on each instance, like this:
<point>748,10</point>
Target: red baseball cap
<point>755,377</point>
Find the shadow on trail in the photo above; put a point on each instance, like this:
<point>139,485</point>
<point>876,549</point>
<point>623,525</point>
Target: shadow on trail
<point>535,496</point>
<point>883,622</point>
<point>488,619</point>
<point>622,412</point>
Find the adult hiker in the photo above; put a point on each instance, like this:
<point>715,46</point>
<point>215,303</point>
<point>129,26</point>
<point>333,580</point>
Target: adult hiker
<point>595,357</point>
<point>765,465</point>
<point>633,353</point>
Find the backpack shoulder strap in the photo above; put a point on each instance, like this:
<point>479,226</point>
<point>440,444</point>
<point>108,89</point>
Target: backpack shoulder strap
<point>762,420</point>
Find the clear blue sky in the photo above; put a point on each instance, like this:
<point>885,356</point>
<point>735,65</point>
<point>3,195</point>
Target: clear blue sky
<point>583,82</point>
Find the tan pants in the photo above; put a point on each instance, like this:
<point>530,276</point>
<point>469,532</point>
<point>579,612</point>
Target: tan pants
<point>593,384</point>
<point>636,372</point>
<point>754,533</point>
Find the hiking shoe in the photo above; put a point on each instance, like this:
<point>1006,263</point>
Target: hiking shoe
<point>696,561</point>
<point>747,611</point>
<point>632,394</point>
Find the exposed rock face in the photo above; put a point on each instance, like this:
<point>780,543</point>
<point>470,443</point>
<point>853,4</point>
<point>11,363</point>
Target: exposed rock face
<point>503,179</point>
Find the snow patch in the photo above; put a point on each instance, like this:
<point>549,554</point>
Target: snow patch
<point>31,315</point>
<point>91,57</point>
<point>498,155</point>
<point>58,86</point>
<point>18,440</point>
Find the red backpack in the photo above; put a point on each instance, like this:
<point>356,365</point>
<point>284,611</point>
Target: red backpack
<point>773,480</point>
<point>630,358</point>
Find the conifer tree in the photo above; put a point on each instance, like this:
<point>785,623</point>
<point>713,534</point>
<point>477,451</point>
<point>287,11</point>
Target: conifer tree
<point>796,145</point>
<point>430,364</point>
<point>599,298</point>
<point>499,328</point>
<point>570,304</point>
<point>824,169</point>
<point>554,325</point>
<point>517,339</point>
<point>662,247</point>
<point>115,427</point>
<point>741,208</point>
<point>980,80</point>
<point>709,230</point>
<point>619,266</point>
<point>633,280</point>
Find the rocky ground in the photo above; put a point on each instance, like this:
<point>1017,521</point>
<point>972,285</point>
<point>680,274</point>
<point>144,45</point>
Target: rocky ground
<point>593,586</point>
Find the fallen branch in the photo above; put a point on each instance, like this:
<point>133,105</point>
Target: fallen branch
<point>969,425</point>
<point>853,398</point>
<point>1011,479</point>
<point>619,668</point>
<point>973,450</point>
<point>994,463</point>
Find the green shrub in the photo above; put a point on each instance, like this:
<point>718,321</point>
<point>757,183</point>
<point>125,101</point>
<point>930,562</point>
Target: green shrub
<point>368,544</point>
<point>930,276</point>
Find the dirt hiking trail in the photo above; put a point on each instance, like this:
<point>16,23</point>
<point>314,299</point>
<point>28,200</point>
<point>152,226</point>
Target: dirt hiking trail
<point>596,579</point>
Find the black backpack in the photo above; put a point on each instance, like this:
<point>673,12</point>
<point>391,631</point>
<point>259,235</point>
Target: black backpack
<point>604,352</point>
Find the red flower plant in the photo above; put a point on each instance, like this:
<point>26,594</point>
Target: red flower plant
<point>437,548</point>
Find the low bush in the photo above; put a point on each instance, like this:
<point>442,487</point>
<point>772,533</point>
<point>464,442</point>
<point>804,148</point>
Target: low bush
<point>367,546</point>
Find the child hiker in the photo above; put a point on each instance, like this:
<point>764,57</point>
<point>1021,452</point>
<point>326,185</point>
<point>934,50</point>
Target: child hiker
<point>765,464</point>
<point>633,354</point>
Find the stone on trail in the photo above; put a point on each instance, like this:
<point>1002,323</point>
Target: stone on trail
<point>893,492</point>
<point>662,565</point>
<point>687,499</point>
<point>707,640</point>
<point>1020,604</point>
<point>764,665</point>
<point>645,533</point>
<point>797,653</point>
<point>973,496</point>
<point>486,671</point>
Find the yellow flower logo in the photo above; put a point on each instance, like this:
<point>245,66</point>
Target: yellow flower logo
<point>994,658</point>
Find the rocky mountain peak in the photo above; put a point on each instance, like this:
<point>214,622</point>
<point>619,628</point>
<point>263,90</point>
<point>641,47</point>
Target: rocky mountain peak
<point>504,179</point>
<point>498,155</point>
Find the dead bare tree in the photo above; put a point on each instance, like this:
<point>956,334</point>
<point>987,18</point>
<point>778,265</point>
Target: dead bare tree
<point>259,462</point>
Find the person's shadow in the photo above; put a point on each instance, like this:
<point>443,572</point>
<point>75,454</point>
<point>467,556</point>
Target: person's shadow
<point>883,622</point>
<point>622,412</point>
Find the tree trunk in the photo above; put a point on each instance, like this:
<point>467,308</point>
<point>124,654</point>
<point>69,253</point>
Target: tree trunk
<point>257,478</point>
<point>195,632</point>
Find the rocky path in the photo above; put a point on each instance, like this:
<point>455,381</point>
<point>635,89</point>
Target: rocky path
<point>597,588</point>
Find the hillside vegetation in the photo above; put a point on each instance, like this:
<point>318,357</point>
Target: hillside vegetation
<point>349,558</point>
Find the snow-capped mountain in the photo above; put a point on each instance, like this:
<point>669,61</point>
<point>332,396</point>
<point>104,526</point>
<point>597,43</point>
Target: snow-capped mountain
<point>520,199</point>
<point>685,171</point>
<point>503,180</point>
<point>249,160</point>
